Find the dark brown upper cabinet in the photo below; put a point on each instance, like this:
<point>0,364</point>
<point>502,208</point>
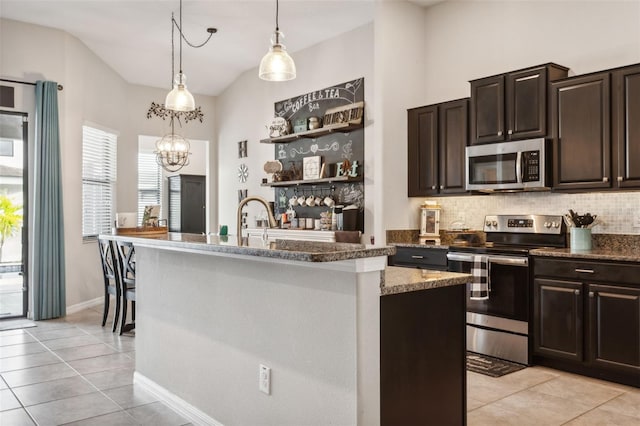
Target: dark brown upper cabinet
<point>626,126</point>
<point>512,106</point>
<point>437,137</point>
<point>580,110</point>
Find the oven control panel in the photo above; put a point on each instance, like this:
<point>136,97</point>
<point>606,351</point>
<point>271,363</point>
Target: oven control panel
<point>527,224</point>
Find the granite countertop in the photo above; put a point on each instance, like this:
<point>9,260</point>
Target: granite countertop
<point>603,253</point>
<point>303,251</point>
<point>402,280</point>
<point>416,245</point>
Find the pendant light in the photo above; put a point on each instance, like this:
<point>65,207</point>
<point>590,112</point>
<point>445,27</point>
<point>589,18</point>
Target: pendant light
<point>277,65</point>
<point>179,99</point>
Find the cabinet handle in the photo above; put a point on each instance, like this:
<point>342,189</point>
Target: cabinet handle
<point>591,294</point>
<point>433,187</point>
<point>441,186</point>
<point>620,178</point>
<point>417,257</point>
<point>605,179</point>
<point>510,132</point>
<point>576,292</point>
<point>500,133</point>
<point>586,271</point>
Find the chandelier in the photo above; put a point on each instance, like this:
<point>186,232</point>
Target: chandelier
<point>172,151</point>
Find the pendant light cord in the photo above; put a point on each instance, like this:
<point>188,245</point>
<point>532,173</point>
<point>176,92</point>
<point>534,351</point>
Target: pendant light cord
<point>173,60</point>
<point>277,26</point>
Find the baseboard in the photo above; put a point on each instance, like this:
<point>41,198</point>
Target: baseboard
<point>84,305</point>
<point>176,403</point>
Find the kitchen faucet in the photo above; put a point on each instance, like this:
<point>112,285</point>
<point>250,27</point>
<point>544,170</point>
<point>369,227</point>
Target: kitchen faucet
<point>272,220</point>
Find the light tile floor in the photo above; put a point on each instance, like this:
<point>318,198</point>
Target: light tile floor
<point>543,396</point>
<point>73,371</point>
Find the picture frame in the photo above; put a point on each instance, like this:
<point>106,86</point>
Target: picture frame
<point>151,215</point>
<point>311,167</point>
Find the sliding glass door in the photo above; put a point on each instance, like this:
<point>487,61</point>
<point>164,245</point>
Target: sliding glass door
<point>13,214</point>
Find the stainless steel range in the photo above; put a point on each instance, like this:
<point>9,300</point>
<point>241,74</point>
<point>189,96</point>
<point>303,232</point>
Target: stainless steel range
<point>498,300</point>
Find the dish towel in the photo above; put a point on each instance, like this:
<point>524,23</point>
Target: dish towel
<point>479,287</point>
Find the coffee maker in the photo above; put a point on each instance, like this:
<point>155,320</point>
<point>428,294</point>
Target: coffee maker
<point>430,223</point>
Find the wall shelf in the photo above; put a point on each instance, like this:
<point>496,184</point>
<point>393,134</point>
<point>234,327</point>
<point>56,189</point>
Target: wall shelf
<point>315,133</point>
<point>285,183</point>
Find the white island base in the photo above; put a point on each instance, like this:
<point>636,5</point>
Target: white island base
<point>205,321</point>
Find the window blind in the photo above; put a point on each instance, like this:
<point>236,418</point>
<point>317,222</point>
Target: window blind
<point>99,150</point>
<point>149,182</point>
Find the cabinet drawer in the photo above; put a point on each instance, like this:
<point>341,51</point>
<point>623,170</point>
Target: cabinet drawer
<point>426,258</point>
<point>619,273</point>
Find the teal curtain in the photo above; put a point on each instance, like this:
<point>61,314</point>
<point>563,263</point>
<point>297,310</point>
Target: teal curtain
<point>48,259</point>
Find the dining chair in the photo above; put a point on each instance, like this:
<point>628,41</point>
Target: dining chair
<point>111,276</point>
<point>127,278</point>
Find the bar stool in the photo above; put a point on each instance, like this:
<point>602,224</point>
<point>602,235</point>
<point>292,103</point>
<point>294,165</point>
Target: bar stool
<point>111,280</point>
<point>127,278</point>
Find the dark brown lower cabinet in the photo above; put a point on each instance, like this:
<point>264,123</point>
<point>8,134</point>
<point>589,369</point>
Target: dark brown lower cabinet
<point>586,318</point>
<point>558,319</point>
<point>423,357</point>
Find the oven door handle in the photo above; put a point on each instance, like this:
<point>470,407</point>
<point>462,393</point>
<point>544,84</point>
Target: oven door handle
<point>457,257</point>
<point>510,261</point>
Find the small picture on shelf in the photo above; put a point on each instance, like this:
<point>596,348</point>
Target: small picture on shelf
<point>311,167</point>
<point>151,215</point>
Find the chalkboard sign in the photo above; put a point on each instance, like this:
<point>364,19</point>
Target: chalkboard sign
<point>308,110</point>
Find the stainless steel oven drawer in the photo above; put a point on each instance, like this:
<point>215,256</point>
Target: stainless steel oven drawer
<point>512,347</point>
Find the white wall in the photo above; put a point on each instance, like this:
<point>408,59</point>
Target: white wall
<point>246,107</point>
<point>473,39</point>
<point>400,69</point>
<point>94,93</point>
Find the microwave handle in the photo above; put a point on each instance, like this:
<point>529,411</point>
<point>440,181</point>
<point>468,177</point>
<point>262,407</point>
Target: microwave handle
<point>519,167</point>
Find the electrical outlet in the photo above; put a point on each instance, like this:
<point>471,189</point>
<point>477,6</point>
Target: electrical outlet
<point>264,379</point>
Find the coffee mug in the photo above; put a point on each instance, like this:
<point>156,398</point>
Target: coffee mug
<point>328,201</point>
<point>293,201</point>
<point>311,201</point>
<point>319,201</point>
<point>302,201</point>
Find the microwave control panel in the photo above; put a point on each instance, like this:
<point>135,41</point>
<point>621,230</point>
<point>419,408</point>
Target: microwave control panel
<point>531,166</point>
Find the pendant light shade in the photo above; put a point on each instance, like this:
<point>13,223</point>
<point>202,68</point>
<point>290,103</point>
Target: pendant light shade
<point>277,65</point>
<point>180,99</point>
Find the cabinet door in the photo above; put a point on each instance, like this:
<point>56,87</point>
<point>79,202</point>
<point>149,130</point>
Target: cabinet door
<point>423,151</point>
<point>453,141</point>
<point>487,110</point>
<point>626,126</point>
<point>614,327</point>
<point>526,103</point>
<point>558,324</point>
<point>581,132</point>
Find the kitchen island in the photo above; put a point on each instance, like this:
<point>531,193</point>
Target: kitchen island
<point>211,310</point>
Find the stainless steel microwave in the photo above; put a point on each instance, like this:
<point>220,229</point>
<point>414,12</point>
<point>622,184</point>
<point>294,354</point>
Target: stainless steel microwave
<point>509,166</point>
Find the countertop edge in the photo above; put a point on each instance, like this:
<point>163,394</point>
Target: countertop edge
<point>398,280</point>
<point>339,254</point>
<point>595,254</point>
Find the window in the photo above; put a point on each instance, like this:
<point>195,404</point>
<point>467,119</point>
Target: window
<point>149,182</point>
<point>98,181</point>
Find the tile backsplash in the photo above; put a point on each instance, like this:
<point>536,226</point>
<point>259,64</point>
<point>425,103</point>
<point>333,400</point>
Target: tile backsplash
<point>616,209</point>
